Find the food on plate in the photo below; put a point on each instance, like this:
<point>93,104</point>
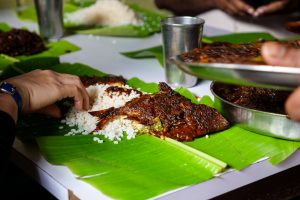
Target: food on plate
<point>109,80</point>
<point>120,111</point>
<point>222,52</point>
<point>268,100</point>
<point>18,42</point>
<point>172,115</point>
<point>104,13</point>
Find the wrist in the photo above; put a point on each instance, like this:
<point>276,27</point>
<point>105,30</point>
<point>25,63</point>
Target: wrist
<point>8,105</point>
<point>11,90</point>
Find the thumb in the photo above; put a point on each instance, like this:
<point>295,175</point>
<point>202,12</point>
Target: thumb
<point>278,54</point>
<point>52,111</point>
<point>292,105</point>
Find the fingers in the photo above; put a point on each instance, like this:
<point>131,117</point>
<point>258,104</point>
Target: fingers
<point>75,80</point>
<point>74,92</point>
<point>235,7</point>
<point>41,88</point>
<point>59,82</point>
<point>243,8</point>
<point>276,54</point>
<point>52,111</point>
<point>270,8</point>
<point>292,105</point>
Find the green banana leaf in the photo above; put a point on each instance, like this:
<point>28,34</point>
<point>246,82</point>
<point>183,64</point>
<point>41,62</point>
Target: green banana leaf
<point>6,60</point>
<point>58,48</point>
<point>51,63</point>
<point>136,83</point>
<point>134,169</point>
<point>54,49</point>
<point>157,51</point>
<point>153,52</point>
<point>150,17</point>
<point>237,38</point>
<point>240,148</point>
<point>4,27</point>
<point>145,166</point>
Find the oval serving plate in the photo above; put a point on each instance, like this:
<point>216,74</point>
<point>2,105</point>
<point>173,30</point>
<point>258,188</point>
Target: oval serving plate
<point>266,76</point>
<point>266,123</point>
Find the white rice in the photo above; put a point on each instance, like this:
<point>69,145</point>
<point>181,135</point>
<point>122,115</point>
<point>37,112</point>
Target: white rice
<point>85,122</point>
<point>106,13</point>
<point>115,130</point>
<point>98,140</point>
<point>104,100</point>
<point>118,128</point>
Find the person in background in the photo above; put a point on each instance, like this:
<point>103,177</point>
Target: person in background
<point>252,8</point>
<point>36,91</point>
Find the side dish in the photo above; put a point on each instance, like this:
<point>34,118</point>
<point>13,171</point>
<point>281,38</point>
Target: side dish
<point>222,52</point>
<point>268,100</point>
<point>18,42</point>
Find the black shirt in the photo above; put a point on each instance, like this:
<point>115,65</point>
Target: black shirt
<point>7,136</point>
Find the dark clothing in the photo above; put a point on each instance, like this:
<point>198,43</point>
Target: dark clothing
<point>7,136</point>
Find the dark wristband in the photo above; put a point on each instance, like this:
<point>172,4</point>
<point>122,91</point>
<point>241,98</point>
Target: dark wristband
<point>11,90</point>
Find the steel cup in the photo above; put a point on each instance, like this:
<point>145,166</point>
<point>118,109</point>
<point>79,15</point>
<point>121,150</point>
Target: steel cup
<point>180,34</point>
<point>50,18</point>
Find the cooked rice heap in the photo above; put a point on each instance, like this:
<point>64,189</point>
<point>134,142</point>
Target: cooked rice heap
<point>105,13</point>
<point>105,96</point>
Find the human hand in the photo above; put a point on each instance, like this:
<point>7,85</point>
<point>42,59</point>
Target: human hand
<point>275,54</point>
<point>40,89</point>
<point>235,7</point>
<point>276,6</point>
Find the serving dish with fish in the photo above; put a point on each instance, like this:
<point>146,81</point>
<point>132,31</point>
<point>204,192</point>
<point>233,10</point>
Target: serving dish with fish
<point>240,64</point>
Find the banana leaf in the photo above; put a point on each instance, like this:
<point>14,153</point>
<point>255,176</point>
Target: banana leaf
<point>6,60</point>
<point>54,49</point>
<point>51,63</point>
<point>4,27</point>
<point>133,169</point>
<point>145,166</point>
<point>153,52</point>
<point>136,83</point>
<point>240,148</point>
<point>236,38</point>
<point>150,17</point>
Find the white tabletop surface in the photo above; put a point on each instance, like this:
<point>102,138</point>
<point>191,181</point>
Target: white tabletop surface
<point>103,53</point>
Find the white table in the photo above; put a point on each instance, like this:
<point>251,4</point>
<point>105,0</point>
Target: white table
<point>103,53</point>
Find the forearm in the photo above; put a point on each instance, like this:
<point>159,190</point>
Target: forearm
<point>186,7</point>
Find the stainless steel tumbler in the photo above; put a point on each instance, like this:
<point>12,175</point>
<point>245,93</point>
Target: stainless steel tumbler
<point>180,34</point>
<point>50,18</point>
